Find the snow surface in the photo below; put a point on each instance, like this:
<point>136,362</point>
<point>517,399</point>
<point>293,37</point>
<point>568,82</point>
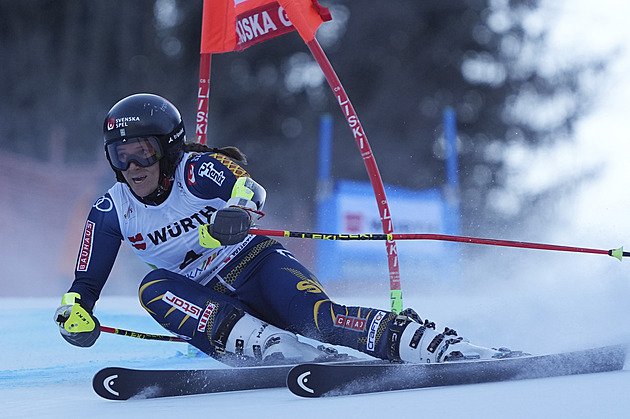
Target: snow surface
<point>43,376</point>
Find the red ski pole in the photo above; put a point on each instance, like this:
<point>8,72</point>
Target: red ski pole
<point>616,253</point>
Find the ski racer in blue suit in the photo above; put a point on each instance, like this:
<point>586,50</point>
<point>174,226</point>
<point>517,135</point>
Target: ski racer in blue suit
<point>187,210</point>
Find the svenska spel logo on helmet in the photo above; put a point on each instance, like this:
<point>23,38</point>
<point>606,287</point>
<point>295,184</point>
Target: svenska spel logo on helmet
<point>121,122</point>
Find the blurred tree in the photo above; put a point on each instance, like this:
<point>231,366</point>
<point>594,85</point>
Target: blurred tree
<point>402,64</point>
<point>65,62</point>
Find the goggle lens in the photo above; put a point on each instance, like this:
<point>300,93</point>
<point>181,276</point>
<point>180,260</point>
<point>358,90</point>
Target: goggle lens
<point>144,151</point>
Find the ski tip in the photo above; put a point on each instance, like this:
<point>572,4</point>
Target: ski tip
<point>106,384</point>
<point>300,380</point>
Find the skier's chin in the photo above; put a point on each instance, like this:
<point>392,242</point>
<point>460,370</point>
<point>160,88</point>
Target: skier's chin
<point>142,189</point>
<point>143,182</point>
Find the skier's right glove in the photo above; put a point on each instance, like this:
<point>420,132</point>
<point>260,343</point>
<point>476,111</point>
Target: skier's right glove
<point>77,326</point>
<point>227,226</point>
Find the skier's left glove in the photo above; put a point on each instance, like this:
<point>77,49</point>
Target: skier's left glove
<point>227,226</point>
<point>77,326</point>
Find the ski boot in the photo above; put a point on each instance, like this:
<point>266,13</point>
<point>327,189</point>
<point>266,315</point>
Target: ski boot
<point>241,336</point>
<point>413,340</point>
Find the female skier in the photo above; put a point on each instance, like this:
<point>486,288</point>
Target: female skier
<point>186,210</point>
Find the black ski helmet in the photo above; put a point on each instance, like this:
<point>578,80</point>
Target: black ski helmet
<point>143,116</point>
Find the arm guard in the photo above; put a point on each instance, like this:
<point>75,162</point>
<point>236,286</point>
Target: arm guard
<point>248,195</point>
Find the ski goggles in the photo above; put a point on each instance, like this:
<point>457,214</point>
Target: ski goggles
<point>143,151</point>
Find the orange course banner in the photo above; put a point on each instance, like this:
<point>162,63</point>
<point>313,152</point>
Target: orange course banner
<point>234,25</point>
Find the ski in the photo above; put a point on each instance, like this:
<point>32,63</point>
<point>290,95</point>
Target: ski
<point>349,377</point>
<point>119,383</point>
<point>116,383</point>
<point>316,380</point>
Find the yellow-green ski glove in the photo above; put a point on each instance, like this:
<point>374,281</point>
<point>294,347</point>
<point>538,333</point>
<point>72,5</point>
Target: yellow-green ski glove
<point>76,324</point>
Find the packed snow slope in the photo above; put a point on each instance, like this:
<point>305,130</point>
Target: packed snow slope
<point>43,376</point>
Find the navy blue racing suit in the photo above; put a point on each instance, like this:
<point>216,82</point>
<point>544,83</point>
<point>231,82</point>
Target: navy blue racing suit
<point>191,289</point>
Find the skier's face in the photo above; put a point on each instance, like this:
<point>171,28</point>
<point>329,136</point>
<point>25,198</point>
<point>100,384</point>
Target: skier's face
<point>142,180</point>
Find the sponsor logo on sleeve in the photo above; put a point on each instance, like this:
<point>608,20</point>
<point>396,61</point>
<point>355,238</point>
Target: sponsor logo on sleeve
<point>203,322</point>
<point>182,305</point>
<point>191,175</point>
<point>86,247</point>
<point>103,204</point>
<point>349,322</point>
<point>373,332</point>
<point>207,170</point>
